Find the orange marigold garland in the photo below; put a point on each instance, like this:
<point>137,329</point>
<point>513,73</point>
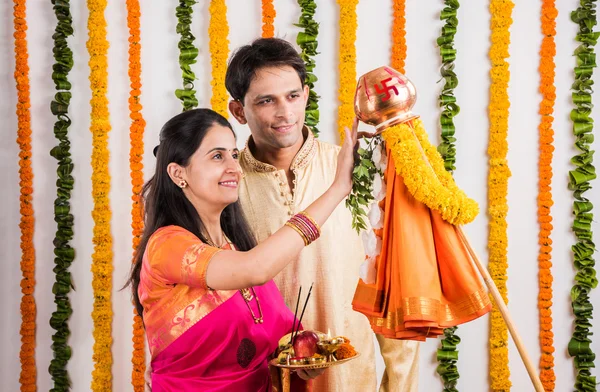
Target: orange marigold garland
<point>347,64</point>
<point>102,266</point>
<point>501,20</point>
<point>28,309</point>
<point>546,139</point>
<point>136,166</point>
<point>268,17</point>
<point>218,31</point>
<point>399,36</point>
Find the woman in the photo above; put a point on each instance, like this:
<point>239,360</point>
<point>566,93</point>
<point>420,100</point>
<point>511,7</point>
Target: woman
<point>203,287</point>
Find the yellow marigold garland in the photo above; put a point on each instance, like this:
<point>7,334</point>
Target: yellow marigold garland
<point>218,31</point>
<point>268,17</point>
<point>347,64</point>
<point>136,166</point>
<point>102,267</point>
<point>399,36</point>
<point>426,179</point>
<point>28,309</point>
<point>500,11</point>
<point>546,138</point>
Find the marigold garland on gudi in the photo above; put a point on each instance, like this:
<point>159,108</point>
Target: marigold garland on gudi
<point>426,179</point>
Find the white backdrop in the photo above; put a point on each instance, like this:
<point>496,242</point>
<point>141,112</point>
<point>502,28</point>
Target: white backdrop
<point>161,75</point>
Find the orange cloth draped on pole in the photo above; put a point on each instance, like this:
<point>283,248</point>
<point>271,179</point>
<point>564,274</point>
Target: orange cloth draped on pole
<point>425,280</point>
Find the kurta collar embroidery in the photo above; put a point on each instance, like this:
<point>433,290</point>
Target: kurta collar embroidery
<point>300,161</point>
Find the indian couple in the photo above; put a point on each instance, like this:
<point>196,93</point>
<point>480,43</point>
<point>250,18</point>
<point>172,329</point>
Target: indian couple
<point>230,236</point>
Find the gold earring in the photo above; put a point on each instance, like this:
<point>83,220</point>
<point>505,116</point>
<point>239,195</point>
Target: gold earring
<point>182,184</point>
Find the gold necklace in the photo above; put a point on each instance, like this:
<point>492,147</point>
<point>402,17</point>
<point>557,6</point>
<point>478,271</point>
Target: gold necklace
<point>248,293</point>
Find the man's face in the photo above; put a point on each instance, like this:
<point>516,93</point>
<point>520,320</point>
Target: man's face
<point>274,107</point>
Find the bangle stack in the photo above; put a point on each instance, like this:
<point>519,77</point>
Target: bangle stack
<point>306,226</point>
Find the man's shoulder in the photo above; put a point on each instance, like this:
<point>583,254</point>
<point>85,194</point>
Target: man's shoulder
<point>326,148</point>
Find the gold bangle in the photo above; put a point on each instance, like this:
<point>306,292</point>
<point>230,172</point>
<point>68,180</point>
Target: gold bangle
<point>304,238</point>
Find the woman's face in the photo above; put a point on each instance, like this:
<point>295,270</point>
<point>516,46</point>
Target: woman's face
<point>213,173</point>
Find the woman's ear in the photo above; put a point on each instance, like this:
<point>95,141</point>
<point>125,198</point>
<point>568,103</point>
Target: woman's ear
<point>176,173</point>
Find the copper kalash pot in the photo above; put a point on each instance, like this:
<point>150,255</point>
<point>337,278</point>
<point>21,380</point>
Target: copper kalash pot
<point>384,97</point>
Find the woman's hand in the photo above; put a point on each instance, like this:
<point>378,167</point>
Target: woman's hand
<point>345,163</point>
<point>309,373</point>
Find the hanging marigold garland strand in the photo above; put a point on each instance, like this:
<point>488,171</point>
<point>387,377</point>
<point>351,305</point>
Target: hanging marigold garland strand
<point>447,355</point>
<point>268,17</point>
<point>580,345</point>
<point>136,166</point>
<point>399,36</point>
<point>28,309</point>
<point>347,64</point>
<point>218,31</point>
<point>187,54</point>
<point>501,20</point>
<point>102,257</point>
<point>63,252</point>
<point>546,138</point>
<point>307,40</point>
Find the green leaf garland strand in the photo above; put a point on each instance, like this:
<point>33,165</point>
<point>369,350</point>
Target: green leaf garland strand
<point>447,355</point>
<point>307,40</point>
<point>187,54</point>
<point>63,253</point>
<point>579,182</point>
<point>447,98</point>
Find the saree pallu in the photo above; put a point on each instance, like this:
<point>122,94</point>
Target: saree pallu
<point>226,350</point>
<point>425,279</point>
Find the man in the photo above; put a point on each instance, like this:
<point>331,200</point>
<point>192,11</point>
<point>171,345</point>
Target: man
<point>286,169</point>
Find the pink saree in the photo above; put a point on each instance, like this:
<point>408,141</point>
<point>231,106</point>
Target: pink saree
<point>200,339</point>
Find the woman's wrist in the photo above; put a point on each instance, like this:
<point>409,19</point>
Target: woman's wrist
<point>338,191</point>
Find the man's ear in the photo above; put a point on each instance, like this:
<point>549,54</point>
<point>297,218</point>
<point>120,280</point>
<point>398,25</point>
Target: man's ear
<point>237,109</point>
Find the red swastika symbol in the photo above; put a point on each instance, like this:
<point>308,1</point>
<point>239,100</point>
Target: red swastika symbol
<point>385,89</point>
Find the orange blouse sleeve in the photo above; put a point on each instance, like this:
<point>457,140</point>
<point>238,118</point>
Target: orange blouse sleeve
<point>177,256</point>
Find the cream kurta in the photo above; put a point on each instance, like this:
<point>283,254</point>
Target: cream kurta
<point>332,263</point>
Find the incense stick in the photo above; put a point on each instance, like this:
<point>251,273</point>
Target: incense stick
<point>295,314</point>
<point>303,309</point>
